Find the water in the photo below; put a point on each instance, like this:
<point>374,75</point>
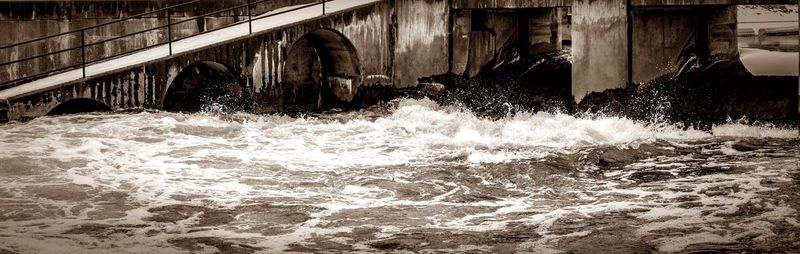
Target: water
<point>411,176</point>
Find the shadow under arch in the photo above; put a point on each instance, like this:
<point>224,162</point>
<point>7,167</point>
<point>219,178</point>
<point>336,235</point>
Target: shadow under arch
<point>322,70</point>
<point>202,84</point>
<point>78,105</point>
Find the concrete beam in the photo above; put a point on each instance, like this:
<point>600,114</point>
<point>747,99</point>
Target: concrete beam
<point>763,2</point>
<point>705,2</point>
<point>514,4</point>
<point>599,46</point>
<point>509,4</point>
<point>679,2</point>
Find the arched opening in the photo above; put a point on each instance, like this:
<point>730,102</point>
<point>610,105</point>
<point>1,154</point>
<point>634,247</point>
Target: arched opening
<point>79,105</point>
<point>321,71</point>
<point>203,85</point>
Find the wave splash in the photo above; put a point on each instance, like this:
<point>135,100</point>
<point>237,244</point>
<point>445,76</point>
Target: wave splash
<point>279,181</point>
<point>407,132</point>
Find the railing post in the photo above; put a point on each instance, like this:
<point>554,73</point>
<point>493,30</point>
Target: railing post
<point>323,7</point>
<point>83,52</point>
<point>249,18</point>
<point>169,30</point>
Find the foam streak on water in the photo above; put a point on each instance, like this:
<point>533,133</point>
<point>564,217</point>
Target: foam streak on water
<point>378,180</point>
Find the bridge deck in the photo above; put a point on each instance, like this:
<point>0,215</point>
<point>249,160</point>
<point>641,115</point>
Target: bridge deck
<point>512,4</point>
<point>706,2</point>
<point>185,45</point>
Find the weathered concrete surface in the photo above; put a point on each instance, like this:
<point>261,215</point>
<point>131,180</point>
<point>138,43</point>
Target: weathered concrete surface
<point>462,28</point>
<point>481,37</point>
<point>678,2</point>
<point>548,29</point>
<point>705,2</point>
<point>509,4</point>
<point>386,43</point>
<point>723,43</point>
<point>599,46</point>
<point>421,40</point>
<point>31,20</point>
<point>662,39</point>
<point>259,60</point>
<point>491,31</point>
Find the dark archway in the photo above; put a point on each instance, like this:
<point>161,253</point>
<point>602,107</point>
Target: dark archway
<point>79,105</point>
<point>203,84</point>
<point>321,71</point>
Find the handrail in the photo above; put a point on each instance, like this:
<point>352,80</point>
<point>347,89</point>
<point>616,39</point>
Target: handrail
<point>99,25</point>
<point>84,44</point>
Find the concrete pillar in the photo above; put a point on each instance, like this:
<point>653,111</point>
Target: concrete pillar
<point>662,40</point>
<point>599,46</point>
<point>462,26</point>
<point>482,49</point>
<point>480,36</point>
<point>421,40</point>
<point>543,34</point>
<point>723,41</point>
<point>564,26</point>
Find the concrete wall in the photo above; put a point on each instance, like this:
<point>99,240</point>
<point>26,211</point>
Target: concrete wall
<point>599,46</point>
<point>394,44</point>
<point>547,29</point>
<point>462,28</point>
<point>509,4</point>
<point>678,2</point>
<point>421,40</point>
<point>662,40</point>
<point>491,31</point>
<point>30,20</point>
<point>366,28</point>
<point>480,36</point>
<point>705,2</point>
<point>259,59</point>
<point>723,43</point>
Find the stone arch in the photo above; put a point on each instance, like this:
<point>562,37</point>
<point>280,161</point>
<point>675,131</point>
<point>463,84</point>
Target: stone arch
<point>78,105</point>
<point>322,70</point>
<point>202,84</point>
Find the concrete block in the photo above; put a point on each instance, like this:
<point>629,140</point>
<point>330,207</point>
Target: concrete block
<point>599,46</point>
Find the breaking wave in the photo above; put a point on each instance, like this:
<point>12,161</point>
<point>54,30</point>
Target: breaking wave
<point>412,131</point>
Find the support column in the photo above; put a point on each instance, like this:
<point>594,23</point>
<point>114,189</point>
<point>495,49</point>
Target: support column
<point>599,46</point>
<point>723,39</point>
<point>546,28</point>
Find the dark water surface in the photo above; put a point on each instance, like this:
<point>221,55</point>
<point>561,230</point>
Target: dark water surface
<point>413,176</point>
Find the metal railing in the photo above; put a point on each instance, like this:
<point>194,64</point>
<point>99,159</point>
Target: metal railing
<point>249,5</point>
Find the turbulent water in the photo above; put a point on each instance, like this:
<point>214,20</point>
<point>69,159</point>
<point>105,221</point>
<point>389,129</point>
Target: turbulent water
<point>411,176</point>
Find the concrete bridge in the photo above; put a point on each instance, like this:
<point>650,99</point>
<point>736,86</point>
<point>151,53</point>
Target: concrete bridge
<point>307,55</point>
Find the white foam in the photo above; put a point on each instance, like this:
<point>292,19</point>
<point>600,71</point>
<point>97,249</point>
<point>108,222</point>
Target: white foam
<point>230,160</point>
